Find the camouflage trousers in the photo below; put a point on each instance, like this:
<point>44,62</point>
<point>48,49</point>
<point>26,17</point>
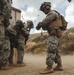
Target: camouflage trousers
<point>4,47</point>
<point>20,48</point>
<point>20,43</point>
<point>52,52</point>
<point>11,54</point>
<point>6,52</point>
<point>2,37</point>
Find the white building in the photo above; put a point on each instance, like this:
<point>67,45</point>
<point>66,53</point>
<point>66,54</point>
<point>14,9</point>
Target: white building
<point>16,15</point>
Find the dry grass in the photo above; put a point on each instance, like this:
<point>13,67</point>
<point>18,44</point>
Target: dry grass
<point>35,48</point>
<point>67,42</point>
<point>39,43</point>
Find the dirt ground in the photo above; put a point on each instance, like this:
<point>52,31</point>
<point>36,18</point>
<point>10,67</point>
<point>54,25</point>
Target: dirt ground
<point>36,63</point>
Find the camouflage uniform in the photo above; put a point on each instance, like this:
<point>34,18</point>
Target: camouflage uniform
<point>18,42</point>
<point>27,27</point>
<point>53,39</point>
<point>6,44</point>
<point>6,52</point>
<point>2,37</point>
<point>53,53</point>
<point>12,35</point>
<point>26,30</point>
<point>20,47</point>
<point>22,37</point>
<point>7,12</point>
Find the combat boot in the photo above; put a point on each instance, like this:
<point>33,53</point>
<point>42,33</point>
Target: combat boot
<point>58,67</point>
<point>47,70</point>
<point>20,64</point>
<point>5,67</point>
<point>11,65</point>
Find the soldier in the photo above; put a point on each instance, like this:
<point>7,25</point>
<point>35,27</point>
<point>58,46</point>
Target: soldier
<point>20,41</point>
<point>52,23</point>
<point>12,36</point>
<point>6,4</point>
<point>19,44</point>
<point>27,28</point>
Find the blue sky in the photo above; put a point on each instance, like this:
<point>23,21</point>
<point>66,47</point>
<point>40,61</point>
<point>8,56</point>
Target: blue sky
<point>24,8</point>
<point>30,10</point>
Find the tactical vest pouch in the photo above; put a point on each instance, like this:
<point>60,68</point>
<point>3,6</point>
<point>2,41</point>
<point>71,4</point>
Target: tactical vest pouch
<point>44,28</point>
<point>57,23</point>
<point>52,32</point>
<point>57,32</point>
<point>64,23</point>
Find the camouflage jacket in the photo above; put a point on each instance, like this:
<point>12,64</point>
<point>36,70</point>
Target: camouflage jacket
<point>5,9</point>
<point>51,16</point>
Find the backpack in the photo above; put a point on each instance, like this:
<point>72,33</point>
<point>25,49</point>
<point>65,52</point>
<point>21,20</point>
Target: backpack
<point>64,23</point>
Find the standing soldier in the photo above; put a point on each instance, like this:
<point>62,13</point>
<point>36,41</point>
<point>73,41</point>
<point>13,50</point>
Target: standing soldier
<point>11,33</point>
<point>20,41</point>
<point>52,23</point>
<point>6,11</point>
<point>27,28</point>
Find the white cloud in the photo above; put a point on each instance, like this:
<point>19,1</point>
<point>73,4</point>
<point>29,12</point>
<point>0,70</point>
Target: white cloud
<point>37,31</point>
<point>33,13</point>
<point>30,9</point>
<point>28,15</point>
<point>70,14</point>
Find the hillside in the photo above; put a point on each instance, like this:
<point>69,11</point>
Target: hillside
<point>37,43</point>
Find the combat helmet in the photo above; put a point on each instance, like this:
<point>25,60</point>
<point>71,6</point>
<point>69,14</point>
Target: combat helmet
<point>30,24</point>
<point>45,5</point>
<point>20,23</point>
